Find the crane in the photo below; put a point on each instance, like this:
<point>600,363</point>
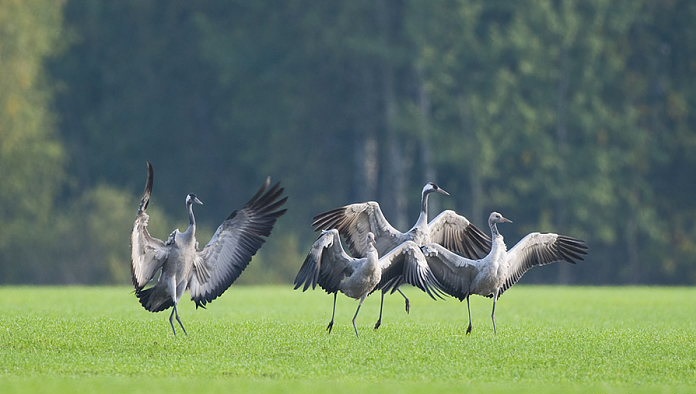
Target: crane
<point>329,266</point>
<point>163,270</point>
<point>500,269</point>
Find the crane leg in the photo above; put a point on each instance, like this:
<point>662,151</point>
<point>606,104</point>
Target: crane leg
<point>175,313</point>
<point>468,308</point>
<point>406,300</point>
<point>178,319</point>
<point>171,321</point>
<point>356,315</point>
<point>333,314</point>
<point>381,306</point>
<point>495,301</point>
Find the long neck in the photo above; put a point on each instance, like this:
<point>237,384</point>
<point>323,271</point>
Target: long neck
<point>192,219</point>
<point>494,229</point>
<point>372,258</point>
<point>423,217</point>
<point>498,247</point>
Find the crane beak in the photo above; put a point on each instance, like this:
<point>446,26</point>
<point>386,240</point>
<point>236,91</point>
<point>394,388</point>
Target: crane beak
<point>443,191</point>
<point>505,220</point>
<point>197,201</point>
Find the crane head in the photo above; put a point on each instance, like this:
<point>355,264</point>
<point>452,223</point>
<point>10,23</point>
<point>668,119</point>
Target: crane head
<point>431,187</point>
<point>371,238</point>
<point>191,198</point>
<point>498,218</point>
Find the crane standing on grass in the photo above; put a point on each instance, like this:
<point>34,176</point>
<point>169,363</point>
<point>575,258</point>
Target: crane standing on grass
<point>500,269</point>
<point>329,266</point>
<point>177,264</point>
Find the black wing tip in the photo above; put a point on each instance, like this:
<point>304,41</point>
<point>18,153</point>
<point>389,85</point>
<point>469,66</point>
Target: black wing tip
<point>308,275</point>
<point>329,219</point>
<point>136,286</point>
<point>279,213</point>
<point>572,249</point>
<point>145,200</point>
<point>305,284</point>
<point>268,197</point>
<point>471,243</point>
<point>266,202</point>
<point>263,191</point>
<point>329,212</point>
<point>572,240</point>
<point>274,206</point>
<point>200,303</point>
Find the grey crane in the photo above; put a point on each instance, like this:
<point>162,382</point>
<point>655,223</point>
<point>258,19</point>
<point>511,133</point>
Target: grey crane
<point>329,266</point>
<point>492,275</point>
<point>449,229</point>
<point>173,266</point>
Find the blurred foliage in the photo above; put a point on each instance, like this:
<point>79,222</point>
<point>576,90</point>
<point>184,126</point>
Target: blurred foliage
<point>31,155</point>
<point>91,238</point>
<point>567,116</point>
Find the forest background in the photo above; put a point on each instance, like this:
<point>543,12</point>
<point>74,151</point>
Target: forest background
<point>566,116</point>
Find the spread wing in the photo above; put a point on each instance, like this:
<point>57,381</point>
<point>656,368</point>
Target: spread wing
<point>237,239</point>
<point>540,249</point>
<point>326,264</point>
<point>454,273</point>
<point>407,264</point>
<point>458,234</point>
<point>354,221</point>
<point>147,253</point>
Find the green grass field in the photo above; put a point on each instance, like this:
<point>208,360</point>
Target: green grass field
<point>273,339</point>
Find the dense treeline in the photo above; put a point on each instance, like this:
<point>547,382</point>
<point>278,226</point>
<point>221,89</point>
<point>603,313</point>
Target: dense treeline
<point>567,116</point>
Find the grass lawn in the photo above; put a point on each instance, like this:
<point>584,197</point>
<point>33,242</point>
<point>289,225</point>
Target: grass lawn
<point>273,339</point>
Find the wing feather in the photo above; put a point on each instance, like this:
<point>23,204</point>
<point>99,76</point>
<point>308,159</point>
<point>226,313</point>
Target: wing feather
<point>538,249</point>
<point>234,243</point>
<point>147,252</point>
<point>354,221</point>
<point>407,264</point>
<point>454,273</point>
<point>327,264</point>
<point>456,233</point>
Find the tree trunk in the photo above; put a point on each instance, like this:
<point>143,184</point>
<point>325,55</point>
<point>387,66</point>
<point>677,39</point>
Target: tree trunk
<point>425,146</point>
<point>631,232</point>
<point>476,192</point>
<point>366,149</point>
<point>565,275</point>
<point>394,179</point>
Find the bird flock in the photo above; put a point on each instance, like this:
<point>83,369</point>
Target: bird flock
<point>445,256</point>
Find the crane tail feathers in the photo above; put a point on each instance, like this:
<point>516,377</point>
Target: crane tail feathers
<point>153,300</point>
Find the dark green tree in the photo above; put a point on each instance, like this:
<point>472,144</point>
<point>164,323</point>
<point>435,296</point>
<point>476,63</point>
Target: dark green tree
<point>31,155</point>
